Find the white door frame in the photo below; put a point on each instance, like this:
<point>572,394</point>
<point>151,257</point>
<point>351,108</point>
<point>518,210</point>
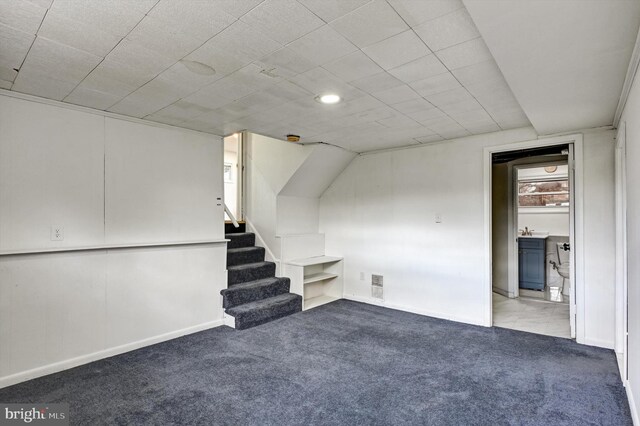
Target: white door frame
<point>621,249</point>
<point>577,236</point>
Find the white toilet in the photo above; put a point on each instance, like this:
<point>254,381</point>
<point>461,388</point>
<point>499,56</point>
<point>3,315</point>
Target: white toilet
<point>564,267</point>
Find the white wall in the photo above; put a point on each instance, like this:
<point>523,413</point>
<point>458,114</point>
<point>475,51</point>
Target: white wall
<point>553,223</point>
<point>284,183</point>
<point>62,309</point>
<point>379,214</point>
<point>631,119</point>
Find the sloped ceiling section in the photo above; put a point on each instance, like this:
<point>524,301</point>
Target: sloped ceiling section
<point>565,61</point>
<point>409,71</point>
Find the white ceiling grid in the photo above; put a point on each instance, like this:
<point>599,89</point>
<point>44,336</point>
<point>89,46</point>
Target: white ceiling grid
<point>409,71</point>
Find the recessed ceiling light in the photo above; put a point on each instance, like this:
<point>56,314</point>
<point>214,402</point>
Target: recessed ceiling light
<point>198,67</point>
<point>329,98</point>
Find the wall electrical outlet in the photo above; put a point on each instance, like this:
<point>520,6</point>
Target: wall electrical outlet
<point>57,233</point>
<point>377,289</point>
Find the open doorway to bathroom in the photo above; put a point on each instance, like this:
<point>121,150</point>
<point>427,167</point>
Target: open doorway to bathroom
<point>532,222</point>
<point>233,182</point>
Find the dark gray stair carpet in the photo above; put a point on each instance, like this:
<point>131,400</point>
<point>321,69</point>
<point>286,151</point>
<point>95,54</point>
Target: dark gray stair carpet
<point>239,256</point>
<point>250,272</point>
<point>261,311</point>
<point>240,239</point>
<point>254,295</point>
<point>254,290</point>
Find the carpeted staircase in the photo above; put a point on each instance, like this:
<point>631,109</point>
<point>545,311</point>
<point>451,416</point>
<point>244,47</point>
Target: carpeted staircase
<point>254,295</point>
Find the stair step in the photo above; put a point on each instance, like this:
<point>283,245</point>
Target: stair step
<point>240,239</point>
<point>250,272</point>
<point>254,290</point>
<point>259,312</point>
<point>243,255</point>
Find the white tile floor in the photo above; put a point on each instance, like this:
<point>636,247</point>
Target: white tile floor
<point>532,315</point>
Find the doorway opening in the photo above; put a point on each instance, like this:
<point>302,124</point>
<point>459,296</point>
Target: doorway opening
<point>233,178</point>
<point>532,208</point>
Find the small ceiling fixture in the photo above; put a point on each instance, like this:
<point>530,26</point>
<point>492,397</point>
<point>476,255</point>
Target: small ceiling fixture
<point>329,98</point>
<point>198,67</point>
<point>293,138</point>
<point>551,169</point>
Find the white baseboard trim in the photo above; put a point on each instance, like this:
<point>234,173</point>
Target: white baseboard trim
<point>632,405</point>
<point>433,314</point>
<point>55,367</point>
<point>502,292</point>
<point>597,342</point>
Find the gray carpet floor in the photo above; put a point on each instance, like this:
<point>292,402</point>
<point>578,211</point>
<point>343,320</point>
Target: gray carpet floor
<point>345,363</point>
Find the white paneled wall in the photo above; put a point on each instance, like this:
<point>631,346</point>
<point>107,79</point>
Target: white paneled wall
<point>632,122</point>
<point>380,215</point>
<point>62,309</point>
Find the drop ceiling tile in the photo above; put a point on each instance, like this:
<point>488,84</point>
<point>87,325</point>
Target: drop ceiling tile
<point>286,62</point>
<point>416,12</point>
<point>397,50</point>
<point>223,61</point>
<point>377,82</point>
<point>188,81</point>
<point>15,45</point>
<point>21,15</point>
<point>436,84</point>
<point>237,8</point>
<point>396,95</point>
<point>420,69</point>
<point>200,20</point>
<point>353,66</point>
<point>469,104</point>
<point>399,122</point>
<point>377,114</point>
<point>164,119</point>
<point>288,91</point>
<point>448,30</point>
<point>478,73</point>
<point>464,54</point>
<point>41,84</point>
<point>322,45</point>
<point>282,20</point>
<point>319,81</point>
<point>413,106</point>
<point>449,97</point>
<point>143,102</point>
<point>117,17</point>
<point>470,116</point>
<point>427,115</point>
<point>369,24</point>
<point>91,98</point>
<point>115,78</point>
<point>454,132</point>
<point>59,61</point>
<point>139,58</point>
<point>180,111</point>
<point>77,34</point>
<point>479,128</point>
<point>169,41</point>
<point>329,10</point>
<point>239,42</point>
<point>254,76</point>
<point>45,4</point>
<point>208,98</point>
<point>429,139</point>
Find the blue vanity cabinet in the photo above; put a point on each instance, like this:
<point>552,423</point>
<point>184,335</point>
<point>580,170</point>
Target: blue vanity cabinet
<point>531,263</point>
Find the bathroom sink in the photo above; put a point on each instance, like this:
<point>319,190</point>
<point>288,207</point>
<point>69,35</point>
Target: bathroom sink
<point>535,234</point>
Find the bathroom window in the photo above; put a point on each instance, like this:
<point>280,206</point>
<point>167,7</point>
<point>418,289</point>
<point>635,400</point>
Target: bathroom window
<point>543,193</point>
